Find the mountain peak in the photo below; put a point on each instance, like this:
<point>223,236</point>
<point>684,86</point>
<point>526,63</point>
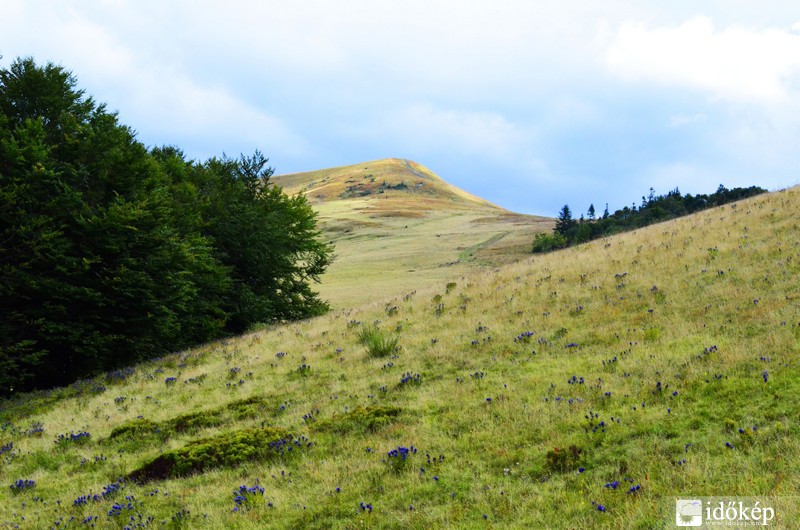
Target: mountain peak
<point>400,181</point>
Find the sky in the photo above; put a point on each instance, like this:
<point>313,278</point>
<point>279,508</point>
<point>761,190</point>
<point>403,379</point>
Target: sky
<point>528,104</point>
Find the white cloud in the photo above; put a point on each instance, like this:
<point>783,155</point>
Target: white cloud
<point>736,63</point>
<point>165,104</point>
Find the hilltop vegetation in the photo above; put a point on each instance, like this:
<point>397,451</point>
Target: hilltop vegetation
<point>583,388</point>
<point>398,225</point>
<point>111,253</point>
<point>654,209</point>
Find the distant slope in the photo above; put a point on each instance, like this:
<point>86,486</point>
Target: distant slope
<point>392,179</point>
<point>398,226</point>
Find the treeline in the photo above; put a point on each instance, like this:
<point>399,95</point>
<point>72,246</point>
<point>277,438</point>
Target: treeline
<point>653,209</point>
<point>111,253</point>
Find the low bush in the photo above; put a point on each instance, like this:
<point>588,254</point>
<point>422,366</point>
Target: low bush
<point>226,450</point>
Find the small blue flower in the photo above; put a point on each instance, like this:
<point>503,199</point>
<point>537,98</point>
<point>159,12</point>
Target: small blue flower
<point>22,484</point>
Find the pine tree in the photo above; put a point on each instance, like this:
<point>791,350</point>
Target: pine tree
<point>565,221</point>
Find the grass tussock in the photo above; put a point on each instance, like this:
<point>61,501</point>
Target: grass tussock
<point>378,343</point>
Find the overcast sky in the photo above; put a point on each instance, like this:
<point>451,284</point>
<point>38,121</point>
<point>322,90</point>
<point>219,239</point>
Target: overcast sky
<point>529,104</point>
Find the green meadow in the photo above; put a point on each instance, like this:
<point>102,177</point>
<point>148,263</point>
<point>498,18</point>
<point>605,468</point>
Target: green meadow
<point>586,388</point>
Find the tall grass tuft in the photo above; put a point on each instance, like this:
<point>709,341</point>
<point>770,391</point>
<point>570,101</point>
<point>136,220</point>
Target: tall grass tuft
<point>377,343</point>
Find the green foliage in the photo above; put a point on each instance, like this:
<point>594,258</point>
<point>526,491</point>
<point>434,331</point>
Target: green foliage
<point>548,242</point>
<point>247,408</point>
<point>112,254</point>
<point>226,450</point>
<point>134,429</point>
<point>360,420</point>
<point>654,209</point>
<point>195,421</point>
<point>565,222</point>
<point>377,343</point>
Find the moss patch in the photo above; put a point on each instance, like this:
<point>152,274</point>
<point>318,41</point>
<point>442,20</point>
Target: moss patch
<point>226,450</point>
<point>134,429</point>
<point>360,419</point>
<point>237,410</point>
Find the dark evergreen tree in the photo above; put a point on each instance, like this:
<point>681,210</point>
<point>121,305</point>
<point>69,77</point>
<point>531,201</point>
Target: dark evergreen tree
<point>564,222</point>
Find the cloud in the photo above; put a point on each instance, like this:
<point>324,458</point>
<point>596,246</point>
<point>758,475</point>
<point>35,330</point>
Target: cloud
<point>736,63</point>
<point>424,126</point>
<point>679,120</point>
<point>163,102</point>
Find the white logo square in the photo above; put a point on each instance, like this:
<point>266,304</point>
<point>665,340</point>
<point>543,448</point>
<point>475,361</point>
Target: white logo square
<point>688,512</point>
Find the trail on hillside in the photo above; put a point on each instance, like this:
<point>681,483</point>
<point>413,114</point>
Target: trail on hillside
<point>414,171</point>
<point>468,256</point>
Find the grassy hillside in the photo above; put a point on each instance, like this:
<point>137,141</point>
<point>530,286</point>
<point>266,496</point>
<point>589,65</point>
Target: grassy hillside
<point>396,223</point>
<point>664,361</point>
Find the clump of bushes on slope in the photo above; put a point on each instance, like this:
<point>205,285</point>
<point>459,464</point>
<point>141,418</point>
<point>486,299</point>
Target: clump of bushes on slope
<point>113,253</point>
<point>226,450</point>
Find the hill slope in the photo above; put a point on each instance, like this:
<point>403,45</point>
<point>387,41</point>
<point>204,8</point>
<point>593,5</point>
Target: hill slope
<point>392,179</point>
<point>626,372</point>
<point>396,223</point>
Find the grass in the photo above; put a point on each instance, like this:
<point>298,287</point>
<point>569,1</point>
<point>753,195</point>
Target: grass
<point>419,236</point>
<point>377,343</point>
<point>635,359</point>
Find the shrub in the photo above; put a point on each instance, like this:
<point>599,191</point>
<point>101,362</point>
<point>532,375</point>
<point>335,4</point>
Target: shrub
<point>194,421</point>
<point>237,410</point>
<point>226,450</point>
<point>377,343</point>
<point>134,428</point>
<point>548,242</point>
<point>247,408</point>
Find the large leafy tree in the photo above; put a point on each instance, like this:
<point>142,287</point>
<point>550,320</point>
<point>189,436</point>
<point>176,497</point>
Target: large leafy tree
<point>269,240</point>
<point>110,253</point>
